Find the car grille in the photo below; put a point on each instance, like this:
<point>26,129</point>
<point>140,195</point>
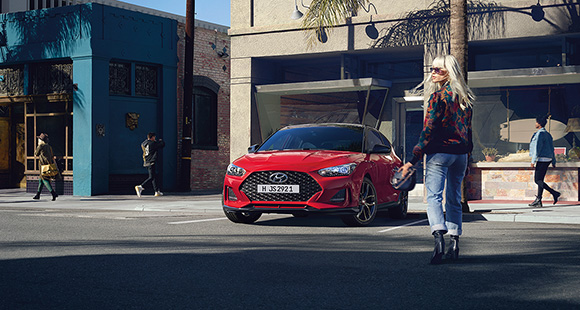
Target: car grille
<point>308,186</point>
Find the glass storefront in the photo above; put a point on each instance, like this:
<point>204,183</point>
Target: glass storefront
<point>343,101</point>
<point>504,121</point>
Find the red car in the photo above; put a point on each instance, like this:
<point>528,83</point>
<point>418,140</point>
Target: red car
<point>342,169</point>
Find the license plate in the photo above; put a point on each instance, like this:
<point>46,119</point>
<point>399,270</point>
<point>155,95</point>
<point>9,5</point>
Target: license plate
<point>269,188</point>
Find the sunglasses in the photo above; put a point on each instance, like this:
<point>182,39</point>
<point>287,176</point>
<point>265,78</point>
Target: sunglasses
<point>436,70</point>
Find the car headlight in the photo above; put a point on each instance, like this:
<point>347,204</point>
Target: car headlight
<point>337,171</point>
<point>235,170</point>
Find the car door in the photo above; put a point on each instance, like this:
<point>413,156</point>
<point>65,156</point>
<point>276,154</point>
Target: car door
<point>383,164</point>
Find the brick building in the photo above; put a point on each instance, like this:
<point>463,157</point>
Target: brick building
<point>209,159</point>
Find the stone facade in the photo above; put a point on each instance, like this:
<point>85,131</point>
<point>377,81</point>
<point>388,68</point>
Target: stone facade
<point>518,183</point>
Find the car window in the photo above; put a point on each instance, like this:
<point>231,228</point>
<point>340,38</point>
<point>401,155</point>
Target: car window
<point>337,138</point>
<point>386,141</point>
<point>373,138</point>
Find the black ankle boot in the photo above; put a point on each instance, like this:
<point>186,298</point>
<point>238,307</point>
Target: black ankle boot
<point>556,196</point>
<point>453,251</point>
<point>37,196</point>
<point>54,195</point>
<point>536,203</point>
<point>439,249</point>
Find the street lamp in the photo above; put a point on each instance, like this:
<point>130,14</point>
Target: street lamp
<point>296,14</point>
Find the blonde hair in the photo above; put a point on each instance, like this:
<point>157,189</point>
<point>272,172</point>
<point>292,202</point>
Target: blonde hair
<point>456,81</point>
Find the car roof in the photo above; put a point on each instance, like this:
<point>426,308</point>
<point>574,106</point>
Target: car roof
<point>324,125</point>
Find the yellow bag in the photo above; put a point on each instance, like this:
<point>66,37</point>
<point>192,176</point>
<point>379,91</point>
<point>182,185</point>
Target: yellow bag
<point>49,170</point>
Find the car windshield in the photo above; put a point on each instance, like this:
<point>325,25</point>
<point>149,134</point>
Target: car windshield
<point>335,138</point>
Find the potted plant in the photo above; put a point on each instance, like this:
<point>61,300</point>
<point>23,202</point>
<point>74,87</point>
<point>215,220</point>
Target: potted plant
<point>489,153</point>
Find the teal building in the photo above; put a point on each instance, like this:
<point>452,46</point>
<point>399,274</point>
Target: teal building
<point>97,79</point>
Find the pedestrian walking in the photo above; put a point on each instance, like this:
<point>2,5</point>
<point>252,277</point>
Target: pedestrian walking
<point>542,153</point>
<point>150,149</point>
<point>446,140</point>
<point>48,167</point>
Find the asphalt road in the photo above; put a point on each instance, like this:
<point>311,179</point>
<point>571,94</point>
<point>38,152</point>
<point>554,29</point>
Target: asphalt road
<point>67,259</point>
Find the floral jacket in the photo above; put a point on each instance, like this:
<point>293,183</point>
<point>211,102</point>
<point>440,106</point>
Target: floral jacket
<point>446,128</point>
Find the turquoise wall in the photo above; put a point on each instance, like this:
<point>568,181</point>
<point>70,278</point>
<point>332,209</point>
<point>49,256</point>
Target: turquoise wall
<point>92,35</point>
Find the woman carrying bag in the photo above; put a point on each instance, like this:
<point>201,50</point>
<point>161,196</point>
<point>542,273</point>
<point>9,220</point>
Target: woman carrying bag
<point>48,168</point>
<point>446,140</point>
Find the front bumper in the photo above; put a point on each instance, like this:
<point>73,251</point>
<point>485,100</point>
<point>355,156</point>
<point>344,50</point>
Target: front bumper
<point>284,209</point>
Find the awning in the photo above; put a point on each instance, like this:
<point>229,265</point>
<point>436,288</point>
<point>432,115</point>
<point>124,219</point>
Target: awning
<point>524,77</point>
<point>319,87</point>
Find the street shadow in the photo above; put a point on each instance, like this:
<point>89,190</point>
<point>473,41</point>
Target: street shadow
<point>291,271</point>
<point>321,220</point>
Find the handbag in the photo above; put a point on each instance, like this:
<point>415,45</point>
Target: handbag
<point>49,170</point>
<point>406,183</point>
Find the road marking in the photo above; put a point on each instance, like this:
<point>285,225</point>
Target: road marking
<point>197,221</point>
<point>409,224</point>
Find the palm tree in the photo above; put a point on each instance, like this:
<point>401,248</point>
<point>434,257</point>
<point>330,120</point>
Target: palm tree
<point>458,48</point>
<point>458,32</point>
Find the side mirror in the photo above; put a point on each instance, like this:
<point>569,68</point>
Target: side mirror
<point>253,148</point>
<point>381,149</point>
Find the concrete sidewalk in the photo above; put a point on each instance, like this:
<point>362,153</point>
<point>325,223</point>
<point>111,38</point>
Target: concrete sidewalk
<point>170,202</point>
<point>564,212</point>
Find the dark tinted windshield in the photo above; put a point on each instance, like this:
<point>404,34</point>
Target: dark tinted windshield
<point>339,138</point>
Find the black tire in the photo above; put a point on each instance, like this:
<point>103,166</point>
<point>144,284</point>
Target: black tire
<point>400,211</point>
<point>242,217</point>
<point>367,204</point>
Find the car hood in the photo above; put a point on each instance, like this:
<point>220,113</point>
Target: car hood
<point>297,160</point>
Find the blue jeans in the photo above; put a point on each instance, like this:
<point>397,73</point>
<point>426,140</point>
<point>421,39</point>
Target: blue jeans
<point>443,167</point>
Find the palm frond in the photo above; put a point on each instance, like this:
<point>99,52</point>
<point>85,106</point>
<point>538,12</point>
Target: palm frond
<point>325,14</point>
<point>432,25</point>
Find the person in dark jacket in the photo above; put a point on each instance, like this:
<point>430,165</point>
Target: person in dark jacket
<point>45,157</point>
<point>542,153</point>
<point>150,149</point>
<point>446,140</point>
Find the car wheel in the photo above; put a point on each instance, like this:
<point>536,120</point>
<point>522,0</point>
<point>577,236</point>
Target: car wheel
<point>367,206</point>
<point>400,211</point>
<point>243,217</point>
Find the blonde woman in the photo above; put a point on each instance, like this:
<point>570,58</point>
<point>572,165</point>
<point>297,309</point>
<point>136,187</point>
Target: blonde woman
<point>446,140</point>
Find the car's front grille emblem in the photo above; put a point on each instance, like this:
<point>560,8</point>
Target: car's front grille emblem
<point>278,178</point>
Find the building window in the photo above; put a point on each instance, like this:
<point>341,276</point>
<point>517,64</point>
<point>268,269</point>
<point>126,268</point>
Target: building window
<point>119,78</point>
<point>51,115</point>
<point>204,118</point>
<point>146,80</point>
<point>51,78</point>
<point>12,81</point>
<point>504,119</point>
<point>50,110</point>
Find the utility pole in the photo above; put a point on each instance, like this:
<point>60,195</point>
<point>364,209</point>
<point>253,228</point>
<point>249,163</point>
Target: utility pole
<point>187,136</point>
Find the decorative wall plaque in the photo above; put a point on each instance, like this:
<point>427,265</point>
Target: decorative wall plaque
<point>132,120</point>
<point>100,130</point>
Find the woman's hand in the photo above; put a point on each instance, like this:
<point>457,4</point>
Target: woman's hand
<point>405,168</point>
